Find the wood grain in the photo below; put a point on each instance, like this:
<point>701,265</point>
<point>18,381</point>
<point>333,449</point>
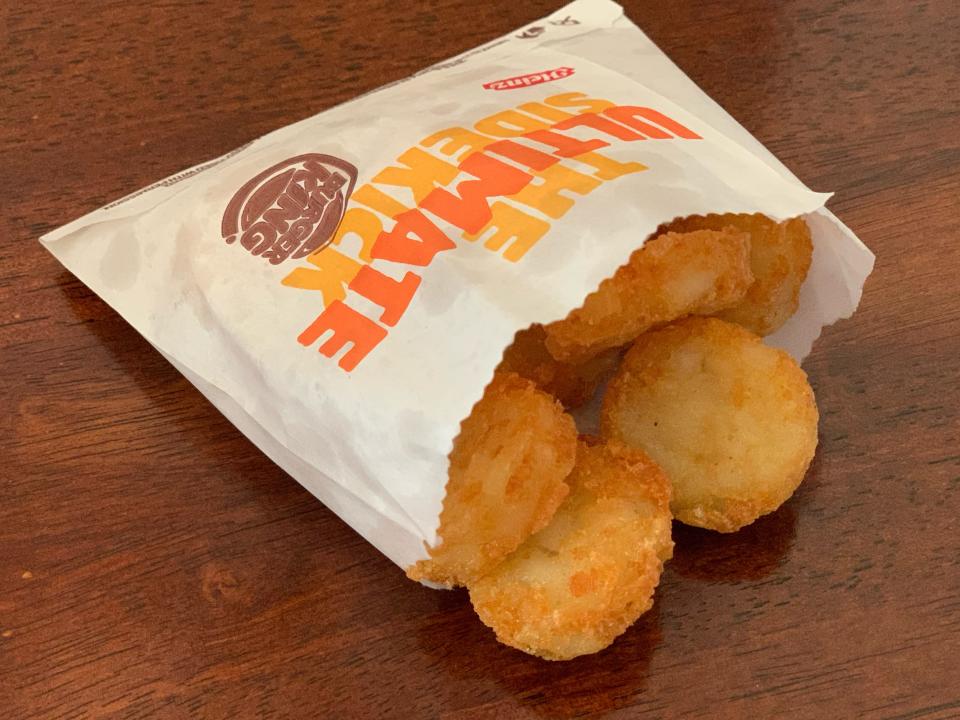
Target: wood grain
<point>154,565</point>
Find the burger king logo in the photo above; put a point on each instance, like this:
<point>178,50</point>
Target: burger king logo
<point>291,209</point>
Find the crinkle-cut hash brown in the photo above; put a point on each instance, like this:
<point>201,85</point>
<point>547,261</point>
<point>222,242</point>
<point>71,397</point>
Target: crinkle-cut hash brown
<point>506,479</point>
<point>576,585</point>
<point>572,384</point>
<point>731,421</point>
<point>780,255</point>
<point>672,275</point>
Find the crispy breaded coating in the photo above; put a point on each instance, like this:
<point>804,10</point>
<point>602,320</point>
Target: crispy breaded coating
<point>731,421</point>
<point>571,383</point>
<point>576,585</point>
<point>672,275</point>
<point>506,479</point>
<point>780,256</point>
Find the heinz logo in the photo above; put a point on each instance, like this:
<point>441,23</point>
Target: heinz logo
<point>291,209</point>
<point>527,80</point>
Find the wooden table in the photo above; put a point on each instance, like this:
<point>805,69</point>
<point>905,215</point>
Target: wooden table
<point>153,564</point>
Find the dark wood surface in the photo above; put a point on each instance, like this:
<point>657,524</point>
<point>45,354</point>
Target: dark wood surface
<point>154,565</point>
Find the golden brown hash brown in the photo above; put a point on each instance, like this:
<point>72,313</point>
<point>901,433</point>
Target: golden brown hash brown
<point>672,275</point>
<point>780,255</point>
<point>731,421</point>
<point>506,479</point>
<point>571,383</point>
<point>576,585</point>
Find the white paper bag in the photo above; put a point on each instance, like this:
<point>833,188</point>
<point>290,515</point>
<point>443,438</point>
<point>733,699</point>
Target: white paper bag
<point>342,288</point>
